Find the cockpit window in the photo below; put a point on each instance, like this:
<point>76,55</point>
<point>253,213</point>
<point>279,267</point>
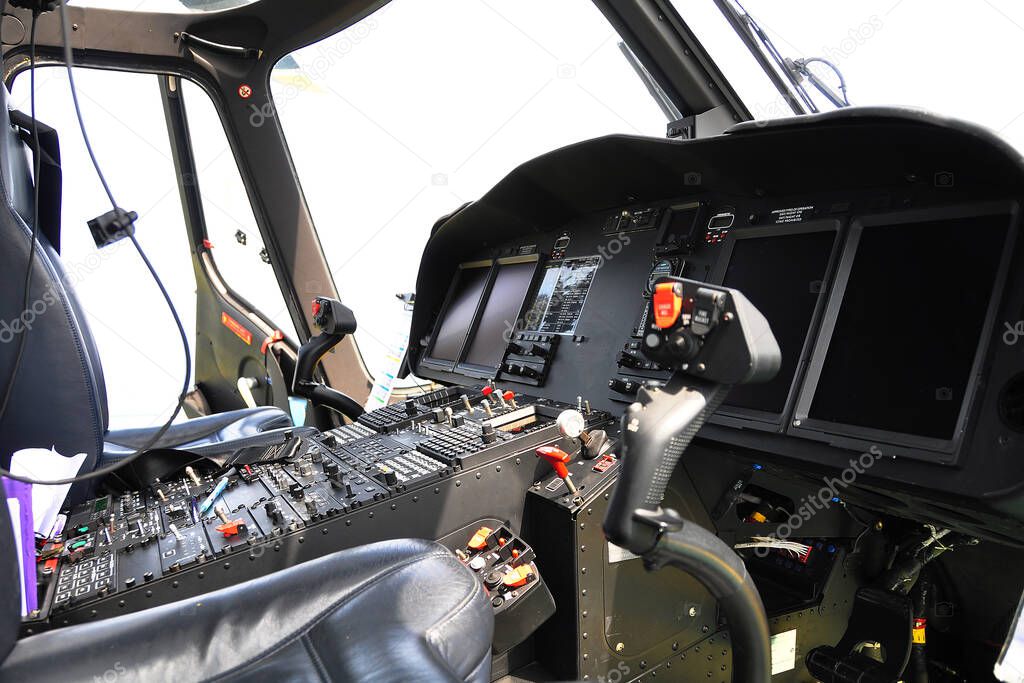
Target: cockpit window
<point>422,107</point>
<point>890,52</point>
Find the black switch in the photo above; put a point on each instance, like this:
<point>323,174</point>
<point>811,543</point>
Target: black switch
<point>387,476</point>
<point>540,350</point>
<point>273,510</point>
<point>623,386</point>
<point>518,349</point>
<point>487,433</point>
<point>629,359</point>
<point>527,371</point>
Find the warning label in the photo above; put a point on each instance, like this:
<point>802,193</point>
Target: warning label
<point>794,214</point>
<point>236,327</point>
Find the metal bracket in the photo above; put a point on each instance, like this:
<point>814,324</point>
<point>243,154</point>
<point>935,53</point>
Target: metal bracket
<point>878,617</point>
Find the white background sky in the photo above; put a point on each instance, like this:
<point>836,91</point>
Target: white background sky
<point>426,105</point>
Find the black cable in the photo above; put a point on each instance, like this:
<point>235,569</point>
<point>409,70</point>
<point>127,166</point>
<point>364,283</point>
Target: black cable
<point>104,471</point>
<point>26,302</point>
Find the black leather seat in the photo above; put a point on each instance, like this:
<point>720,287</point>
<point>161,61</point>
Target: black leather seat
<point>395,611</point>
<point>200,431</point>
<point>59,397</point>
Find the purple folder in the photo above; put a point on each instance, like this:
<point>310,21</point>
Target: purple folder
<point>27,561</point>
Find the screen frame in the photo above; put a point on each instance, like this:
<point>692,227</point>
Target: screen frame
<point>943,451</point>
<point>481,371</point>
<point>737,416</point>
<point>444,364</point>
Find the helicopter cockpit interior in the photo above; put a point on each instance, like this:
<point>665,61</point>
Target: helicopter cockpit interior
<point>742,401</point>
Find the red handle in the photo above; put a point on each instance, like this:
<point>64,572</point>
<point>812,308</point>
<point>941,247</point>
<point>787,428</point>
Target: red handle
<point>557,457</point>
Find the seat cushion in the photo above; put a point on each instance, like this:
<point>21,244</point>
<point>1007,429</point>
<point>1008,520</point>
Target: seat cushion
<point>395,611</point>
<point>201,431</point>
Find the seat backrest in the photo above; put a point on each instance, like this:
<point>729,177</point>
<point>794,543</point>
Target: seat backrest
<point>58,398</point>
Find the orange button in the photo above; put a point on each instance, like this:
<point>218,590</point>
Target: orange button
<point>667,305</point>
<point>479,540</point>
<point>517,577</point>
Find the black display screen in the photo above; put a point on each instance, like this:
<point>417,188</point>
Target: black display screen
<point>458,314</point>
<point>782,276</point>
<point>499,317</point>
<point>909,325</point>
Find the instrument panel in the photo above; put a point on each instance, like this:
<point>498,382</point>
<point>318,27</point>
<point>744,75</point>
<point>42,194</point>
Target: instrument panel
<point>887,300</point>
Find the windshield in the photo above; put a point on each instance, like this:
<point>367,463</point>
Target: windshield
<point>391,127</point>
<point>950,58</point>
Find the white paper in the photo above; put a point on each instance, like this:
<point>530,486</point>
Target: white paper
<point>783,651</point>
<point>617,554</point>
<point>14,508</point>
<point>1010,665</point>
<point>47,465</point>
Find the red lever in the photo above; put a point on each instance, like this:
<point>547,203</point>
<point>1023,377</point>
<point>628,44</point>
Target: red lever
<point>487,391</point>
<point>508,395</point>
<point>558,459</point>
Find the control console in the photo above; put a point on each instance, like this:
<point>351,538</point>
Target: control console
<point>293,495</point>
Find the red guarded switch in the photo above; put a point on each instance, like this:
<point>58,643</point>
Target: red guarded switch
<point>667,305</point>
<point>517,577</point>
<point>316,307</point>
<point>479,540</point>
<point>235,528</point>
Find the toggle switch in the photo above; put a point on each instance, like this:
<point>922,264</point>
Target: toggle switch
<point>274,512</point>
<point>487,433</point>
